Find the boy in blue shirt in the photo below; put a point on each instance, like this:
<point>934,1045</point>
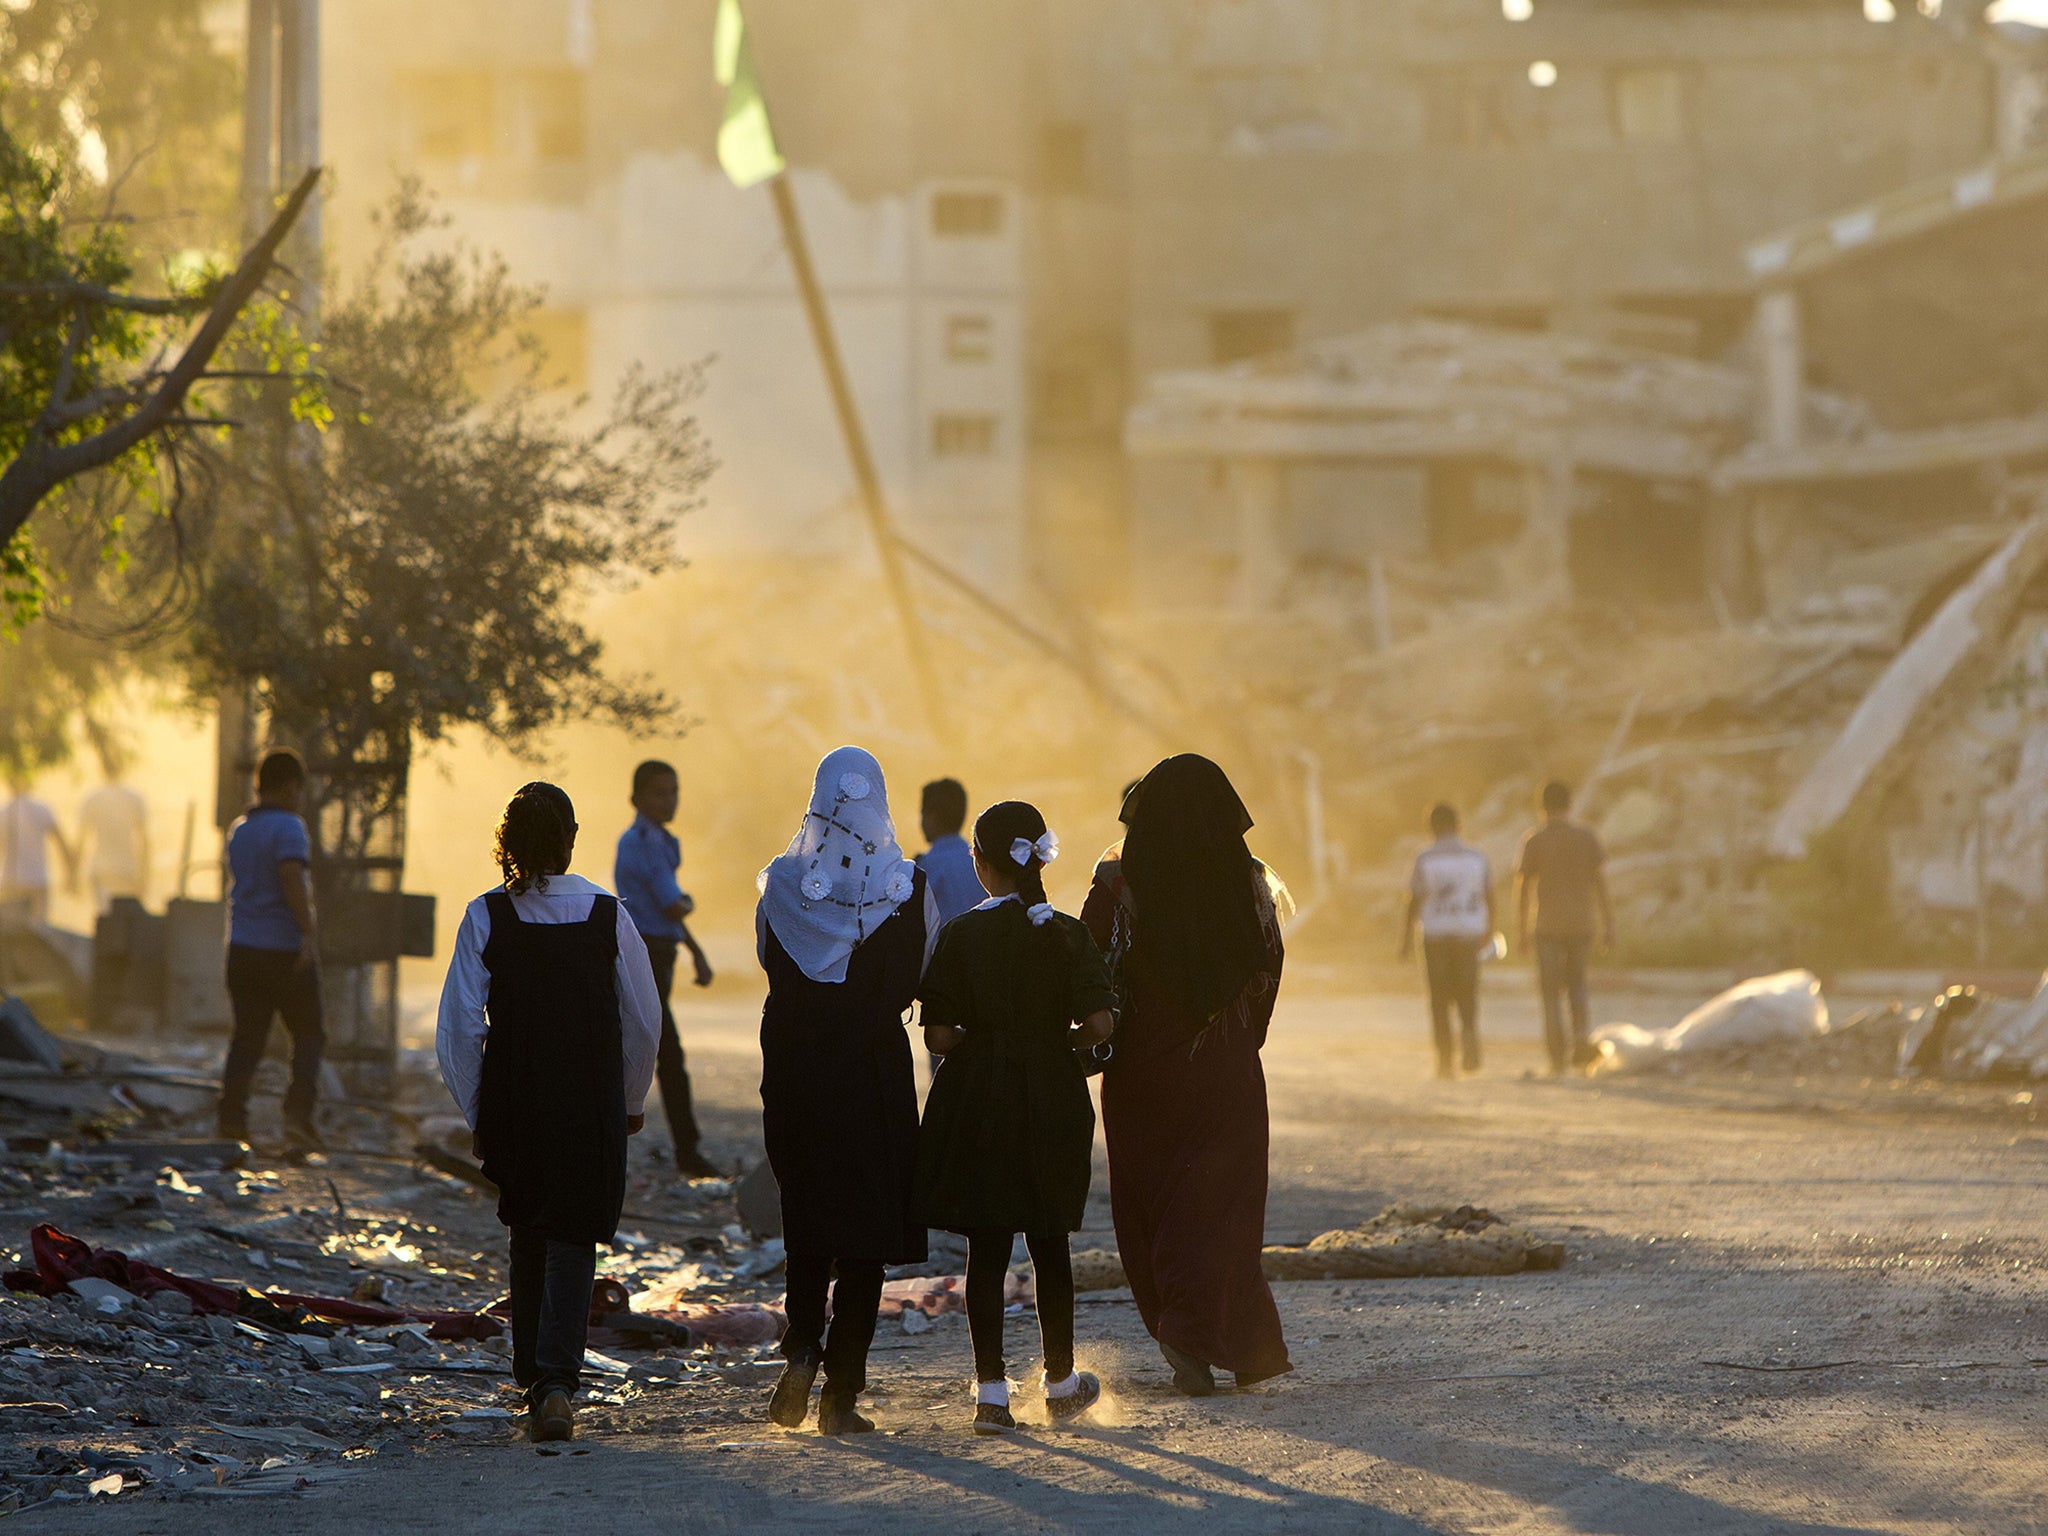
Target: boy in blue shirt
<point>273,961</point>
<point>644,876</point>
<point>948,863</point>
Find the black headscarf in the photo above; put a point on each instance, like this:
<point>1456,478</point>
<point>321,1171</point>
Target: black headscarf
<point>1199,931</point>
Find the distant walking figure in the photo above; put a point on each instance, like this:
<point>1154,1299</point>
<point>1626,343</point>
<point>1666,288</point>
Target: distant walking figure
<point>1191,924</point>
<point>113,836</point>
<point>273,960</point>
<point>1559,871</point>
<point>1008,1129</point>
<point>644,871</point>
<point>844,929</point>
<point>548,1031</point>
<point>1450,897</point>
<point>27,828</point>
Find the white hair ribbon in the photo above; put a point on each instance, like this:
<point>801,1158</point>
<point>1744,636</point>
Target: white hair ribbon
<point>1040,915</point>
<point>1023,850</point>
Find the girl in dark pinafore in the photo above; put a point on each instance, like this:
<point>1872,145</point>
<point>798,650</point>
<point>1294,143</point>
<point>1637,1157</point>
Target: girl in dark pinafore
<point>842,930</point>
<point>549,1027</point>
<point>1008,1128</point>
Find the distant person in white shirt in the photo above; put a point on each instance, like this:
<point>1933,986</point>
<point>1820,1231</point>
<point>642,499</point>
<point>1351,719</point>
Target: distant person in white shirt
<point>27,828</point>
<point>1450,896</point>
<point>113,838</point>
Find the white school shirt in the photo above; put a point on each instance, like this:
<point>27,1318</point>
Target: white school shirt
<point>25,827</point>
<point>1450,883</point>
<point>459,1038</point>
<point>116,821</point>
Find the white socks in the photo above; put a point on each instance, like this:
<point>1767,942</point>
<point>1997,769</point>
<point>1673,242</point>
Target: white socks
<point>1065,1388</point>
<point>996,1392</point>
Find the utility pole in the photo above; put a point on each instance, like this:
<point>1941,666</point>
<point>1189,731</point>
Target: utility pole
<point>865,478</point>
<point>235,744</point>
<point>298,138</point>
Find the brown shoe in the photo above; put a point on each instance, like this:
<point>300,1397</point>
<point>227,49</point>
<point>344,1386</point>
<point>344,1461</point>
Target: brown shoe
<point>838,1416</point>
<point>790,1404</point>
<point>554,1419</point>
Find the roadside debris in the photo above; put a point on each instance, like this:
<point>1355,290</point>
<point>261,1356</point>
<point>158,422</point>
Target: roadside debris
<point>1761,1011</point>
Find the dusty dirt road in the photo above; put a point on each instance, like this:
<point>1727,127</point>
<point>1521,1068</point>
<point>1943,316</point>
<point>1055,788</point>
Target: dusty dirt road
<point>1871,1254</point>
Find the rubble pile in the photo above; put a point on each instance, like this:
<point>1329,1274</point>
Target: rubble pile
<point>1411,1241</point>
<point>114,1386</point>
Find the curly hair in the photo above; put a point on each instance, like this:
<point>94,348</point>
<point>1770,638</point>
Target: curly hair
<point>536,836</point>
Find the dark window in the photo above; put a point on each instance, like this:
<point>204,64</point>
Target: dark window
<point>1236,334</point>
<point>1632,542</point>
<point>450,112</point>
<point>1482,109</point>
<point>1063,158</point>
<point>548,122</point>
<point>963,437</point>
<point>1648,103</point>
<point>1066,398</point>
<point>961,215</point>
<point>969,338</point>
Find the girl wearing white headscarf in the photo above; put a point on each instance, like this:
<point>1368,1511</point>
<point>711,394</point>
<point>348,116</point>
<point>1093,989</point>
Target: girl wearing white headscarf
<point>844,929</point>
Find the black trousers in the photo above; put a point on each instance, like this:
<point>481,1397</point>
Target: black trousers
<point>1561,979</point>
<point>988,1261</point>
<point>262,984</point>
<point>551,1284</point>
<point>1453,969</point>
<point>669,1069</point>
<point>854,1307</point>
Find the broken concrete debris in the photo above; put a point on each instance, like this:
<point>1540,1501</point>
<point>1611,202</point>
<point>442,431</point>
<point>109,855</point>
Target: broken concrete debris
<point>1780,1026</point>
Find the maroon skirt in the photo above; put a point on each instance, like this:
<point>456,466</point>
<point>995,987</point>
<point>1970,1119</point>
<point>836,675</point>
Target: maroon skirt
<point>1187,1134</point>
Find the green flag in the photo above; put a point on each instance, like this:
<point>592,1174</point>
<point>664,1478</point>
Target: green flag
<point>746,142</point>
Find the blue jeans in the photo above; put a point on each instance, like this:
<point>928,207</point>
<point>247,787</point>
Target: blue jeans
<point>551,1284</point>
<point>1561,977</point>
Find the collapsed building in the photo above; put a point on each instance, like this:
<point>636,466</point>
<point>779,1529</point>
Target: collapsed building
<point>1780,614</point>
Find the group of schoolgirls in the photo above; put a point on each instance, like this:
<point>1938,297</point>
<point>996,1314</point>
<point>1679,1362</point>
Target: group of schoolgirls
<point>550,1024</point>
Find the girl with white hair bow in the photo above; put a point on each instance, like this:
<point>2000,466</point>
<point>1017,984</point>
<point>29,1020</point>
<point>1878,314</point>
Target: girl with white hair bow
<point>1018,1002</point>
<point>844,930</point>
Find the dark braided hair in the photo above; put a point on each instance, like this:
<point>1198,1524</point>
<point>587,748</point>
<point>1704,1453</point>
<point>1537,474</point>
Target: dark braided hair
<point>998,827</point>
<point>536,836</point>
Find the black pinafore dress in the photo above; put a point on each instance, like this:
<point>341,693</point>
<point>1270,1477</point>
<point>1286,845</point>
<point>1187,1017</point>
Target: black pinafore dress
<point>552,1118</point>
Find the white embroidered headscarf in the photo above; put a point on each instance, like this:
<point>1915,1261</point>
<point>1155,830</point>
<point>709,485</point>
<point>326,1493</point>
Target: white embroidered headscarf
<point>843,873</point>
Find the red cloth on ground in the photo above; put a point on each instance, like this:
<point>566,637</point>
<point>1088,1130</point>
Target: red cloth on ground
<point>1187,1133</point>
<point>61,1258</point>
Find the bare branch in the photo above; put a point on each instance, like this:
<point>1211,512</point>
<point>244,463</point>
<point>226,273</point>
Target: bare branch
<point>106,298</point>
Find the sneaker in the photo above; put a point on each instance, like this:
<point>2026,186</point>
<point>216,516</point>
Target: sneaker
<point>791,1403</point>
<point>695,1165</point>
<point>1064,1410</point>
<point>1192,1377</point>
<point>993,1419</point>
<point>553,1418</point>
<point>838,1416</point>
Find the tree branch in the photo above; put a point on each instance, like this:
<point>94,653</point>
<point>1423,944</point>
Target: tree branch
<point>106,298</point>
<point>40,467</point>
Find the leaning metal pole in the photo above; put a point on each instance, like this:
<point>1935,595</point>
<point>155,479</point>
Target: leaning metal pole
<point>865,477</point>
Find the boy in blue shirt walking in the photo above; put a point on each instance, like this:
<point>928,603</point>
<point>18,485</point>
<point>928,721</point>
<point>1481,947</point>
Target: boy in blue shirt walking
<point>947,862</point>
<point>644,875</point>
<point>273,960</point>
